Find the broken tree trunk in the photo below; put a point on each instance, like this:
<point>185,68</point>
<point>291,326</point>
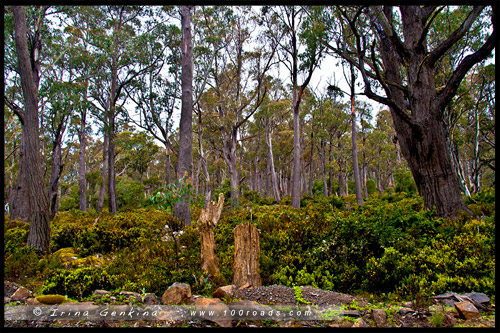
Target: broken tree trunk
<point>209,217</point>
<point>246,256</point>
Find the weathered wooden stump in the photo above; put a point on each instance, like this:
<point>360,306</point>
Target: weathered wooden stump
<point>209,217</point>
<point>246,256</point>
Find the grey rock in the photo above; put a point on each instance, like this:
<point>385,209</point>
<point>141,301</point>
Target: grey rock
<point>351,313</point>
<point>478,297</point>
<point>380,317</point>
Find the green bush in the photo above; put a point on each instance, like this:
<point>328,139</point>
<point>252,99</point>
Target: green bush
<point>390,244</point>
<point>129,194</point>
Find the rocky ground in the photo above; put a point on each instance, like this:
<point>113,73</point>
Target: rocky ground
<point>356,311</point>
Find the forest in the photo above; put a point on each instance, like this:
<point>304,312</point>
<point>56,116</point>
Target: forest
<point>360,140</point>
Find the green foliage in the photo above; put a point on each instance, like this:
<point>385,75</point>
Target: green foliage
<point>72,201</point>
<point>224,188</point>
<point>175,192</point>
<point>405,182</point>
<point>129,194</point>
<point>389,245</point>
<point>298,296</point>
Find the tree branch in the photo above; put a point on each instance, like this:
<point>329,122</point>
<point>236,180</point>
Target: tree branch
<point>441,49</point>
<point>427,11</point>
<point>445,96</point>
<point>16,109</point>
<point>400,48</point>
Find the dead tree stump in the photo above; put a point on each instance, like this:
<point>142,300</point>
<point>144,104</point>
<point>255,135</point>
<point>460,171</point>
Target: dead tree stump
<point>246,256</point>
<point>209,217</point>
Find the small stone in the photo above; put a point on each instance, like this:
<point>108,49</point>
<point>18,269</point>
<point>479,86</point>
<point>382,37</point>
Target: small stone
<point>407,304</point>
<point>150,299</point>
<point>351,313</point>
<point>380,317</point>
<point>130,294</point>
<point>224,292</point>
<point>32,301</point>
<point>449,320</point>
<point>21,294</point>
<point>177,293</point>
<point>101,292</point>
<point>466,310</point>
<point>6,300</point>
<point>360,323</point>
<point>405,311</point>
<point>290,323</point>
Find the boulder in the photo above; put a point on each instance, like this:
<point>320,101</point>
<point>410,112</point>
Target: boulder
<point>379,317</point>
<point>178,293</point>
<point>224,292</point>
<point>466,310</point>
<point>21,294</point>
<point>220,315</point>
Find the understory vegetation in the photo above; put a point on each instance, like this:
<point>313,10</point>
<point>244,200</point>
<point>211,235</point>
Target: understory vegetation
<point>389,245</point>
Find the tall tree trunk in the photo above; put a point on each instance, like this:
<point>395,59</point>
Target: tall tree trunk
<point>330,163</point>
<point>270,161</point>
<point>104,173</point>
<point>56,170</point>
<point>39,233</point>
<point>229,150</point>
<point>167,165</point>
<point>296,174</point>
<point>204,167</point>
<point>112,203</point>
<point>354,136</point>
<point>185,156</point>
<point>19,205</point>
<point>311,176</point>
<point>82,182</point>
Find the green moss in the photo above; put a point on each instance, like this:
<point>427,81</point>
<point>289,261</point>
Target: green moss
<point>51,299</point>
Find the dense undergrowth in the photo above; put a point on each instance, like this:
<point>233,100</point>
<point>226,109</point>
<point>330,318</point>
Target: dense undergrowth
<point>389,245</point>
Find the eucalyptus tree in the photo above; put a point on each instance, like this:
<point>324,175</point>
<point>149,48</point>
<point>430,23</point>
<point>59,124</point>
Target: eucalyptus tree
<point>408,80</point>
<point>185,156</point>
<point>32,178</point>
<point>237,84</point>
<point>284,25</point>
<point>116,42</point>
<point>155,93</point>
<point>270,111</point>
<point>79,28</point>
<point>33,25</point>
